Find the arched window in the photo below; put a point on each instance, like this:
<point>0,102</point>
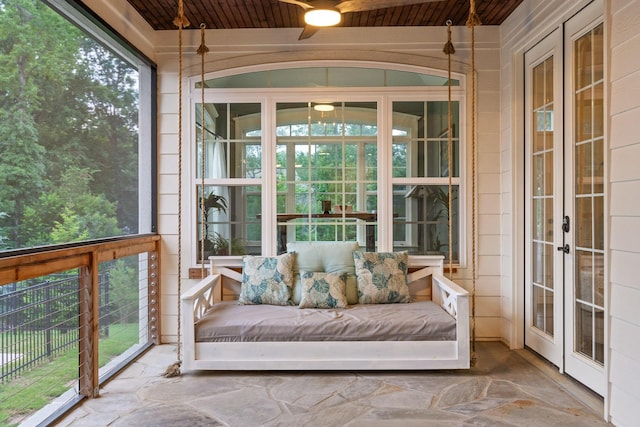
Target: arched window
<point>327,153</point>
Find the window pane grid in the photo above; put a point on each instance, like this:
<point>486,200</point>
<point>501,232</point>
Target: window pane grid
<point>231,219</point>
<point>322,196</point>
<point>542,197</point>
<point>589,199</point>
<point>421,155</point>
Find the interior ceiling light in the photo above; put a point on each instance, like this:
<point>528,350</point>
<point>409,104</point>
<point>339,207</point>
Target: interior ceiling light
<point>326,17</point>
<point>323,107</point>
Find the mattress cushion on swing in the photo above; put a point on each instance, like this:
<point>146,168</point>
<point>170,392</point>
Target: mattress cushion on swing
<point>417,321</point>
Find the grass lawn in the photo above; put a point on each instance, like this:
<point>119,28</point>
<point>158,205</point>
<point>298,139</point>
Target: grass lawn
<point>37,387</point>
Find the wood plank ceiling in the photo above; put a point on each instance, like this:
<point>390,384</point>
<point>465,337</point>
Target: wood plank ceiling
<point>232,14</point>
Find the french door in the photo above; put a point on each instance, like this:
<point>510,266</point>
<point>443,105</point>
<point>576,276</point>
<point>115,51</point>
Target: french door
<point>565,198</point>
<point>544,199</point>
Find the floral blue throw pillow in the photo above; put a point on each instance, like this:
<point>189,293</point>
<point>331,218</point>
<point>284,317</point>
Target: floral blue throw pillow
<point>267,280</point>
<point>382,277</point>
<point>322,290</point>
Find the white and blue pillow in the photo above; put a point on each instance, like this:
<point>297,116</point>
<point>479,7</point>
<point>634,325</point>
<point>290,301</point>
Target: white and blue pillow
<point>322,290</point>
<point>328,257</point>
<point>382,277</point>
<point>267,280</point>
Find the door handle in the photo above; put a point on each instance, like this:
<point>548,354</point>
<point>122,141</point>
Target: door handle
<point>566,224</point>
<point>564,248</point>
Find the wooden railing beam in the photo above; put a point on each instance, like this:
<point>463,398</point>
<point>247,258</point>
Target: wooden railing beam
<point>24,267</point>
<point>86,258</point>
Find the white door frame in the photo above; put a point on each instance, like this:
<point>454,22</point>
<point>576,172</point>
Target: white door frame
<point>555,18</point>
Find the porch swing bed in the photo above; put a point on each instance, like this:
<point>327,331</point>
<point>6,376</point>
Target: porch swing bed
<point>429,332</point>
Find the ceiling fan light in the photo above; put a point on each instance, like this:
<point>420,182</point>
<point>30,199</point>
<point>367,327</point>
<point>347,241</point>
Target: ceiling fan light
<point>322,17</point>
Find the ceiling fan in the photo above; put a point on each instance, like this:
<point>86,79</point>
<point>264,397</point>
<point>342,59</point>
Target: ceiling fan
<point>327,13</point>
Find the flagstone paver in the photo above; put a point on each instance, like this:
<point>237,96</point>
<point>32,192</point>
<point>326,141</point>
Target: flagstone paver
<point>504,389</point>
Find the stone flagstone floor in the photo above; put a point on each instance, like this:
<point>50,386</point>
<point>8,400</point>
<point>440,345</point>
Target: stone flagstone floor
<point>506,388</point>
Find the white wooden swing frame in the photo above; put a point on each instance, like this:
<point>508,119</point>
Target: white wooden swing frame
<point>326,355</point>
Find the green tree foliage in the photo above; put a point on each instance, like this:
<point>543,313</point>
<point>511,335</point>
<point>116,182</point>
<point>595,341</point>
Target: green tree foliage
<point>123,291</point>
<point>71,212</point>
<point>112,125</point>
<point>68,132</point>
<point>22,172</point>
<point>69,229</point>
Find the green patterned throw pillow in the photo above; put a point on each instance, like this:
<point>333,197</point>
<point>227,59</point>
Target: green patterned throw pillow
<point>267,280</point>
<point>382,277</point>
<point>322,290</point>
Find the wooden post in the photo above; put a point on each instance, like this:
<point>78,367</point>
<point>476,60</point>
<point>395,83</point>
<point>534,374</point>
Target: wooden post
<point>89,334</point>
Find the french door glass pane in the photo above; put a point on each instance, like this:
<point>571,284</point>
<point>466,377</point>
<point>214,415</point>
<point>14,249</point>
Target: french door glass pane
<point>542,197</point>
<point>537,263</point>
<point>589,199</point>
<point>584,325</point>
<point>583,169</point>
<point>538,307</point>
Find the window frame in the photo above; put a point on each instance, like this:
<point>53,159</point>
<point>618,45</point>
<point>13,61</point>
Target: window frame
<point>268,98</point>
<point>457,181</point>
<point>351,116</point>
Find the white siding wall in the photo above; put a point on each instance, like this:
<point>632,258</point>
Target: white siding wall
<point>488,311</point>
<point>624,152</point>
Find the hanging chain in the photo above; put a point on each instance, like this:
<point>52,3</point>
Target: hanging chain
<point>202,51</point>
<point>180,21</point>
<point>471,23</point>
<point>450,50</point>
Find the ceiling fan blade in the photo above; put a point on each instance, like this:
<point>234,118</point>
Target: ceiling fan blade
<point>364,5</point>
<point>302,4</point>
<point>345,6</point>
<point>307,32</point>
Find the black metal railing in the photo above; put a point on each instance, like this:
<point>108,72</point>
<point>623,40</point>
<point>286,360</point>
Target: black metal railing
<point>39,321</point>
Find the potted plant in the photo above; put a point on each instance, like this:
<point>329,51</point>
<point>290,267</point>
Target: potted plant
<point>211,202</point>
<point>438,202</point>
<point>220,245</point>
<point>217,244</point>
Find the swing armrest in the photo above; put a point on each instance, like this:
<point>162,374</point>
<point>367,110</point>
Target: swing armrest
<point>200,298</point>
<point>455,301</point>
<point>449,295</point>
<point>195,302</point>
